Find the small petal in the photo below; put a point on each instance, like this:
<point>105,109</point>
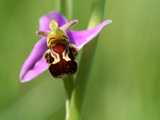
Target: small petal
<point>81,38</point>
<point>68,25</point>
<point>45,20</point>
<point>35,56</point>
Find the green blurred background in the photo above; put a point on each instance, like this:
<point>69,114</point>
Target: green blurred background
<point>124,83</point>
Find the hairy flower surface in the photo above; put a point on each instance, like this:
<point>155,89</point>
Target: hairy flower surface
<point>51,25</point>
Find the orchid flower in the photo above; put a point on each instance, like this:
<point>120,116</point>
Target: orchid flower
<point>36,63</point>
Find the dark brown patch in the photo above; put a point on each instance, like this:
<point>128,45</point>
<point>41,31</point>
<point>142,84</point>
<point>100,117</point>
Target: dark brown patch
<point>49,58</point>
<point>63,68</point>
<point>72,53</point>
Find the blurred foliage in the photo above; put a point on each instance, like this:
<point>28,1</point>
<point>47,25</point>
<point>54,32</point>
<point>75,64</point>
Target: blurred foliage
<point>124,83</point>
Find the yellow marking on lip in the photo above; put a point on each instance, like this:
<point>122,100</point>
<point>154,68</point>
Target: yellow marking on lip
<point>65,56</point>
<point>56,57</point>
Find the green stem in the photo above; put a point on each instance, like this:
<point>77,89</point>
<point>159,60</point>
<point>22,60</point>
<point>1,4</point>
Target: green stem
<point>67,8</point>
<point>97,15</point>
<point>69,86</point>
<point>86,66</point>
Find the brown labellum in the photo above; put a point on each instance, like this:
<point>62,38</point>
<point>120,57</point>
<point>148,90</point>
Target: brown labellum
<point>61,59</point>
<point>62,68</point>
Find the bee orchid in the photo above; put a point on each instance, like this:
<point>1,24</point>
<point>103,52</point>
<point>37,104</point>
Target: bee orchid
<point>58,46</point>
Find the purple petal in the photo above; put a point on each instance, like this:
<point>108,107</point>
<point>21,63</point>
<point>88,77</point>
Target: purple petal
<point>81,38</point>
<point>38,68</point>
<point>33,61</point>
<point>45,20</point>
